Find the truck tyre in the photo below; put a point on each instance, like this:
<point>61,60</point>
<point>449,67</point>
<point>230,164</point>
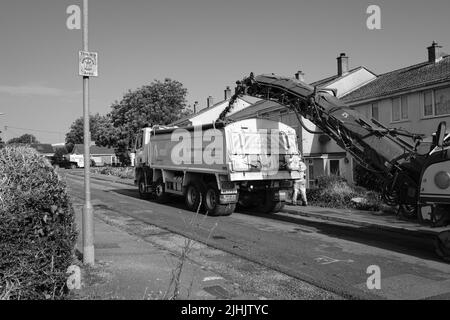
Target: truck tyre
<point>268,205</point>
<point>73,166</point>
<point>160,191</point>
<point>442,245</point>
<point>193,197</point>
<point>143,194</point>
<point>212,205</point>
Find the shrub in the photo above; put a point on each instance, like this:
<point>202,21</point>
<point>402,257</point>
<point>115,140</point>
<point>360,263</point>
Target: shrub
<point>335,192</point>
<point>121,172</point>
<point>37,227</point>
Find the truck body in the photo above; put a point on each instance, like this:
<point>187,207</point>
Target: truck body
<point>253,162</point>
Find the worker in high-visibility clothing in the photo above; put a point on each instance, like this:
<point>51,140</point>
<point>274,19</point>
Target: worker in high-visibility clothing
<point>300,187</point>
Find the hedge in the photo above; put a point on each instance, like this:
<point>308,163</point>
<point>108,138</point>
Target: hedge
<point>37,228</point>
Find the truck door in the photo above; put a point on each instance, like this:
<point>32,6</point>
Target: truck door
<point>139,147</point>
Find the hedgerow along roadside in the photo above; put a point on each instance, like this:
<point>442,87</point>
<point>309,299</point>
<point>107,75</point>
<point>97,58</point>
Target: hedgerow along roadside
<point>37,227</point>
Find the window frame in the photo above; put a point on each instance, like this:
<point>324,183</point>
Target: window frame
<point>339,167</point>
<point>375,104</point>
<point>433,103</point>
<point>400,106</point>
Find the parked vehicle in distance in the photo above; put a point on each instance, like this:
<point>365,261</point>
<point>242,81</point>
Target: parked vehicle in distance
<point>63,162</point>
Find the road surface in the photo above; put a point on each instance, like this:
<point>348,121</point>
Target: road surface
<point>334,258</point>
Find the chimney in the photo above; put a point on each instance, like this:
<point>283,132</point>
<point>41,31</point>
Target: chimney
<point>434,52</point>
<point>300,76</point>
<point>195,107</point>
<point>227,93</point>
<point>209,102</point>
<point>342,63</point>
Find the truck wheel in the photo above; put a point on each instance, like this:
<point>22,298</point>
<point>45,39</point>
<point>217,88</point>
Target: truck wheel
<point>143,194</point>
<point>160,191</point>
<point>73,166</point>
<point>442,245</point>
<point>212,205</point>
<point>193,197</point>
<point>268,205</point>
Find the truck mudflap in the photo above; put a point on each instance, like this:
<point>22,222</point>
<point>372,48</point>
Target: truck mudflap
<point>442,245</point>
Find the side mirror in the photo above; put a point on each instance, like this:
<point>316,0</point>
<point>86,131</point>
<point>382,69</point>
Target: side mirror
<point>440,134</point>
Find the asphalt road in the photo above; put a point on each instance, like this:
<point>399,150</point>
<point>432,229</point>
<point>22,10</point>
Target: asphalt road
<point>331,257</point>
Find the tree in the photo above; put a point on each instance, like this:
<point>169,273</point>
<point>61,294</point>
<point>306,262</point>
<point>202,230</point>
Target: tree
<point>98,125</point>
<point>24,139</point>
<point>159,103</point>
<point>2,144</point>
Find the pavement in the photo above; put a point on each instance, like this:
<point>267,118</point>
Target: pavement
<point>130,268</point>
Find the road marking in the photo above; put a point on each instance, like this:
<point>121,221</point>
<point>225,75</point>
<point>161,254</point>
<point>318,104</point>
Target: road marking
<point>212,279</point>
<point>323,260</point>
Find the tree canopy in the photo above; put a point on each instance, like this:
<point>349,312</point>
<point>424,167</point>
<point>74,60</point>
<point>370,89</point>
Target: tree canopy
<point>160,103</point>
<point>100,127</point>
<point>24,139</point>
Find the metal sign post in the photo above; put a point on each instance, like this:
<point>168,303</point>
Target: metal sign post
<point>88,212</point>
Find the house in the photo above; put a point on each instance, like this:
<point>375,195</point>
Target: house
<point>44,149</point>
<point>212,111</point>
<point>415,98</point>
<point>102,156</point>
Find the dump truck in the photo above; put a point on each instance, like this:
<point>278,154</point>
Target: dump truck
<point>217,166</point>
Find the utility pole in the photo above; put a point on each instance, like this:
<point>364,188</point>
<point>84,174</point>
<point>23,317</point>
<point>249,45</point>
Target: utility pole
<point>88,212</point>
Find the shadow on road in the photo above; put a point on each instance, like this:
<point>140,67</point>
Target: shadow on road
<point>420,247</point>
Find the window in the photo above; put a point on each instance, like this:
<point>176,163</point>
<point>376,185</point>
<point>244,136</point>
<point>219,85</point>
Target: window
<point>442,101</point>
<point>404,107</point>
<point>400,109</point>
<point>334,168</point>
<point>375,113</point>
<point>436,102</point>
<point>139,141</point>
<point>396,109</point>
<point>428,103</point>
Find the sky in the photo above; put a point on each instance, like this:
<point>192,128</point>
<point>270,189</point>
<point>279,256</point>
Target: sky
<point>205,44</point>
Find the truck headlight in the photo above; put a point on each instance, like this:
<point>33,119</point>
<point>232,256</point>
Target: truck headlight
<point>442,180</point>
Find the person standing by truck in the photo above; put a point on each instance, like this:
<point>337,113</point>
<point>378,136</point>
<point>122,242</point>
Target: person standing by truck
<point>300,186</point>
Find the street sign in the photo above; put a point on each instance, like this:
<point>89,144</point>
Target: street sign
<point>88,64</point>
